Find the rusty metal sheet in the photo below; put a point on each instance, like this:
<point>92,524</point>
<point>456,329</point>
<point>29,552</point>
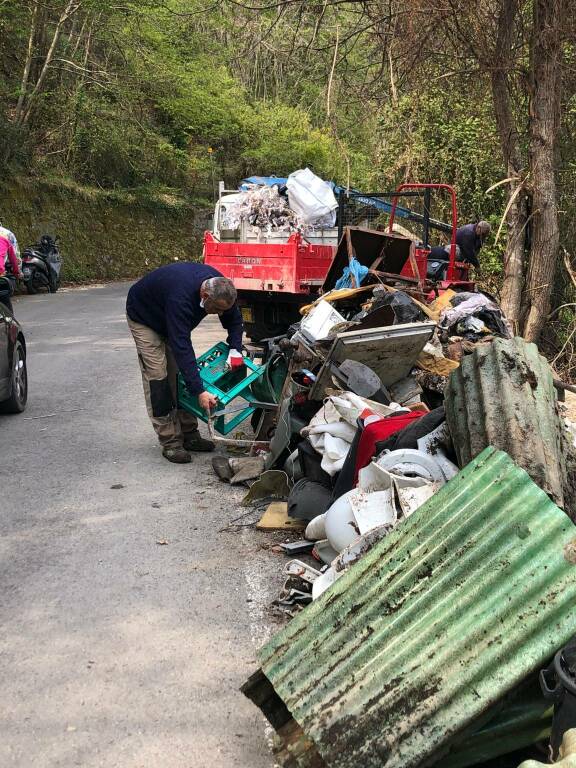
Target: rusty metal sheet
<point>441,619</point>
<point>390,352</point>
<point>367,245</point>
<point>503,395</point>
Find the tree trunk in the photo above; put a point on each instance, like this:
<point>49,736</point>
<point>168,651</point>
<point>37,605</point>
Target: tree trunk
<point>27,64</point>
<point>514,256</point>
<point>544,123</point>
<point>512,155</point>
<point>70,8</point>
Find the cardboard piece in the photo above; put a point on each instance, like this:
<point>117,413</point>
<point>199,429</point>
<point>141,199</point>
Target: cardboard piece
<point>275,518</point>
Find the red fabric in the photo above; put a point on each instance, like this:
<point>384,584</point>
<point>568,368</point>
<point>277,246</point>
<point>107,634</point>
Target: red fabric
<point>380,430</point>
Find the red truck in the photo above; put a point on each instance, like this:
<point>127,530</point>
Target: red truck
<point>277,272</point>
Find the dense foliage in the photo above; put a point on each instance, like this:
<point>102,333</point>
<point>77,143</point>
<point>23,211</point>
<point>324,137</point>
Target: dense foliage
<point>174,95</point>
<point>140,94</point>
<point>171,94</point>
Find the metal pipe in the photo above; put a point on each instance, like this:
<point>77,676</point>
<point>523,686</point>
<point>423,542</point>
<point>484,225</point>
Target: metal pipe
<point>255,444</point>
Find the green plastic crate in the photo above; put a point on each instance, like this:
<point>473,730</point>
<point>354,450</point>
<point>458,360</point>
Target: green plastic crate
<point>223,383</point>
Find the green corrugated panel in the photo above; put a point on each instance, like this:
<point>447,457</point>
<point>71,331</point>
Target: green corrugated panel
<point>523,721</point>
<point>503,395</point>
<point>444,616</point>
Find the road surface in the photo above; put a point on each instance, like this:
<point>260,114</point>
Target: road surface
<point>128,622</point>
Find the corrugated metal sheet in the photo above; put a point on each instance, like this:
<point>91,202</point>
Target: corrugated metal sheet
<point>503,395</point>
<point>525,720</point>
<point>444,616</point>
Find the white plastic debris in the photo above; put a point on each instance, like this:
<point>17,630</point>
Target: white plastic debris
<point>311,198</point>
<point>571,431</point>
<point>358,549</point>
<point>410,463</point>
<point>389,489</point>
<point>341,526</point>
<point>410,498</point>
<point>320,320</point>
<point>325,551</point>
<point>316,528</point>
<point>433,444</point>
<point>302,571</point>
<point>324,582</point>
<point>372,510</point>
<point>348,557</point>
<point>409,492</point>
<point>356,513</point>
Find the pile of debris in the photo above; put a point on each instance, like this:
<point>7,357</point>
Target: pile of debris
<point>304,203</point>
<point>261,207</point>
<point>420,449</point>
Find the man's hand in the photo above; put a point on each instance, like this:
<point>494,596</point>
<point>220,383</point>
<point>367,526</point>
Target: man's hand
<point>207,401</point>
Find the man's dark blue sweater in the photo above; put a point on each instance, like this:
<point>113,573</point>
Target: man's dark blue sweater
<point>168,301</point>
<point>470,244</point>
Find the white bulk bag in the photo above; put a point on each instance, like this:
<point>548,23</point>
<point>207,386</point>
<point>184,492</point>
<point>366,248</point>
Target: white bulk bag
<point>309,196</point>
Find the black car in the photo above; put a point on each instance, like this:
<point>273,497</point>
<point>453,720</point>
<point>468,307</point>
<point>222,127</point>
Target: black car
<point>13,373</point>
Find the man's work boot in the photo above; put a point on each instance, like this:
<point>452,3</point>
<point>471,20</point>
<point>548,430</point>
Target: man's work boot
<point>195,442</point>
<point>177,455</point>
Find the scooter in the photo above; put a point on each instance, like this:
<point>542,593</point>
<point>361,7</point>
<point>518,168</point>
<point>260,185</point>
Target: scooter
<point>41,264</point>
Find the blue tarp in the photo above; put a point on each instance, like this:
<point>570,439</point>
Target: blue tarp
<point>263,181</point>
<point>353,270</point>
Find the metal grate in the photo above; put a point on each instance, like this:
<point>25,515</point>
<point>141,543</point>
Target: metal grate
<point>414,211</point>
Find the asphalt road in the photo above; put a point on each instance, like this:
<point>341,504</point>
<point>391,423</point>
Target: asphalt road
<point>128,622</point>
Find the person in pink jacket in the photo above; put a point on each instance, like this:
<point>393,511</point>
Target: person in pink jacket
<point>8,255</point>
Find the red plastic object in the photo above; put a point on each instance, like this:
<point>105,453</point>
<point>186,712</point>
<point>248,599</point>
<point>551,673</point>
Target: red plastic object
<point>377,431</point>
<point>291,267</point>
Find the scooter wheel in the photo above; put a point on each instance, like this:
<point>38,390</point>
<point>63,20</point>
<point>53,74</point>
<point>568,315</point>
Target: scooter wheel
<point>31,288</point>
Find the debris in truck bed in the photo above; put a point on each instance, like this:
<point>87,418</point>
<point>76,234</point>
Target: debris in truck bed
<point>265,208</point>
<point>261,207</point>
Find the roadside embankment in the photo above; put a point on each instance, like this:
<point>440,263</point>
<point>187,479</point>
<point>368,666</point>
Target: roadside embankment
<point>104,234</point>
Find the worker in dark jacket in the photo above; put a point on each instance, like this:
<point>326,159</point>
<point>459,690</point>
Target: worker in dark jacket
<point>470,238</point>
<point>162,310</point>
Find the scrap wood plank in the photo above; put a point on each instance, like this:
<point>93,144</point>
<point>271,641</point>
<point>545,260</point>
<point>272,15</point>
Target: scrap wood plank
<point>276,518</point>
<point>436,363</point>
